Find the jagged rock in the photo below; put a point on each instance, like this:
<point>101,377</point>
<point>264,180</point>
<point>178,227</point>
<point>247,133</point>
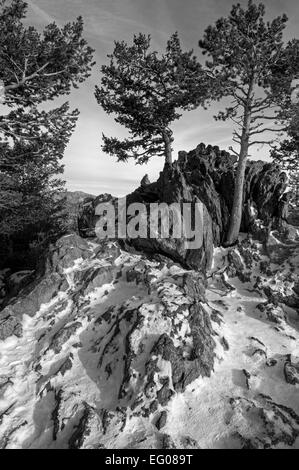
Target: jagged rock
<point>65,251</point>
<point>194,285</point>
<point>58,397</point>
<point>9,325</point>
<point>73,201</point>
<point>5,412</point>
<point>66,365</point>
<point>188,442</point>
<point>264,186</point>
<point>128,351</point>
<point>94,277</point>
<point>31,299</point>
<point>138,274</point>
<point>113,419</point>
<point>276,297</point>
<point>165,393</point>
<point>247,377</point>
<point>204,176</point>
<point>296,288</point>
<point>145,181</point>
<point>88,421</point>
<point>63,335</point>
<point>259,353</point>
<point>271,425</point>
<point>236,264</point>
<point>161,421</point>
<point>271,312</point>
<point>271,362</point>
<point>86,214</point>
<point>112,348</point>
<point>224,343</point>
<point>48,282</point>
<point>46,285</point>
<point>217,317</point>
<point>5,383</point>
<point>291,372</point>
<point>201,360</point>
<point>166,442</point>
<point>108,251</point>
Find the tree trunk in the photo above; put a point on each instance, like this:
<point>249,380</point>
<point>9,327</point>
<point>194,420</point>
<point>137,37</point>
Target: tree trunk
<point>168,150</point>
<point>237,209</point>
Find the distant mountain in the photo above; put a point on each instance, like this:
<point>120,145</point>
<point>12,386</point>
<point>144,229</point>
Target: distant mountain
<point>75,197</point>
<point>73,201</point>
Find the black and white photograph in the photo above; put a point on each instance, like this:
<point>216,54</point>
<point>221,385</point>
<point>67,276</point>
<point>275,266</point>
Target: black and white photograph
<point>149,227</point>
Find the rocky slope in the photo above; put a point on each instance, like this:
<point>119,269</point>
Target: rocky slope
<point>115,345</point>
<point>123,351</point>
<point>204,176</point>
<point>109,346</point>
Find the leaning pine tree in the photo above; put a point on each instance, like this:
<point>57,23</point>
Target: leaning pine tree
<point>147,92</point>
<point>246,55</point>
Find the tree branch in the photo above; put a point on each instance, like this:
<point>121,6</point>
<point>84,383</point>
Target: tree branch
<point>22,82</point>
<point>234,151</point>
<point>261,142</point>
<point>272,118</point>
<point>268,129</point>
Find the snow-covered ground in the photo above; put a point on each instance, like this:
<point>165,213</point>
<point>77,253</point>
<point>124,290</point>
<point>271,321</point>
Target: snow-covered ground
<point>254,345</point>
<point>60,382</point>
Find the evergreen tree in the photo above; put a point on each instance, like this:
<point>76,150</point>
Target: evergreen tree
<point>252,68</point>
<point>147,92</point>
<point>35,68</point>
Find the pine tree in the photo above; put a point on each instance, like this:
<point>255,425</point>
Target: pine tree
<point>147,92</point>
<point>250,66</point>
<point>35,68</point>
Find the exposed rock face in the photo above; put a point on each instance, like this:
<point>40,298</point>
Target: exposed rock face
<point>9,326</point>
<point>86,214</point>
<point>265,197</point>
<point>113,338</point>
<point>131,351</point>
<point>291,372</point>
<point>276,424</point>
<point>47,284</point>
<point>73,201</point>
<point>204,176</point>
<point>118,349</point>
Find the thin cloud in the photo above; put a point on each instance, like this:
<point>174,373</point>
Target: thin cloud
<point>41,13</point>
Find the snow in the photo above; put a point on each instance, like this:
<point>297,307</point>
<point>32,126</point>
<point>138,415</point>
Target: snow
<point>204,411</point>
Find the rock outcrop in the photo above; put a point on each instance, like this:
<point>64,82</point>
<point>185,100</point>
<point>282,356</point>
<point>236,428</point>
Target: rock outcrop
<point>117,348</point>
<point>50,280</point>
<point>107,339</point>
<point>204,176</point>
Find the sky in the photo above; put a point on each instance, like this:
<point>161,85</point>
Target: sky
<point>87,168</point>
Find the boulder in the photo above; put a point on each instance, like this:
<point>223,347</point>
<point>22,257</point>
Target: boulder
<point>86,214</point>
<point>161,421</point>
<point>9,326</point>
<point>291,372</point>
<point>65,251</point>
<point>204,178</point>
<point>50,280</point>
